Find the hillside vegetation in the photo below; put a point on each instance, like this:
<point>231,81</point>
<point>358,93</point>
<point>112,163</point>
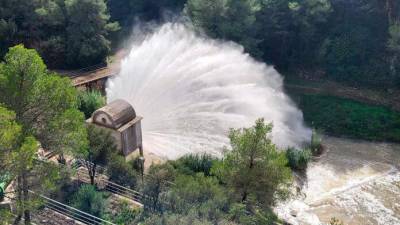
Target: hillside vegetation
<point>356,41</point>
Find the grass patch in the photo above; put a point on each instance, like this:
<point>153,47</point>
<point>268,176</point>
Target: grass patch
<point>343,117</point>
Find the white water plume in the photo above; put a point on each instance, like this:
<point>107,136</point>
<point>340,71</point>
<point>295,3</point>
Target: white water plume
<point>191,90</point>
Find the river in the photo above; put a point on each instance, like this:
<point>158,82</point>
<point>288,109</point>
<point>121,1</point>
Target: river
<point>355,181</point>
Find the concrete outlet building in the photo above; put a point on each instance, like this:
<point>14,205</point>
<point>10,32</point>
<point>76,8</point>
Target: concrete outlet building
<point>121,120</point>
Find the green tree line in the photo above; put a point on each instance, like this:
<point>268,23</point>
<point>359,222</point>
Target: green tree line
<point>353,41</point>
<point>67,33</point>
<point>37,109</point>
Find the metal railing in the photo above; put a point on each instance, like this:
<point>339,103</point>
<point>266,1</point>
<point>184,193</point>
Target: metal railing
<point>105,183</point>
<point>72,212</point>
<point>83,71</point>
<point>123,191</point>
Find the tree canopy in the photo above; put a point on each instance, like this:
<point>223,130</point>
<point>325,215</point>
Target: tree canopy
<point>18,155</point>
<point>101,148</point>
<point>67,33</point>
<point>254,168</point>
<point>43,102</point>
<point>347,41</point>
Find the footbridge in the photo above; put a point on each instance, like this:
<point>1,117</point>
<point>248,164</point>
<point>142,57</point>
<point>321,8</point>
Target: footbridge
<point>96,76</point>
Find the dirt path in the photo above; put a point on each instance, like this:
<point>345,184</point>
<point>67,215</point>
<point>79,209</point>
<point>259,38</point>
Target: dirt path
<point>389,98</point>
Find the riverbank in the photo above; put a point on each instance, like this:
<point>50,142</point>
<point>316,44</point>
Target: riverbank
<point>389,98</point>
<point>361,114</point>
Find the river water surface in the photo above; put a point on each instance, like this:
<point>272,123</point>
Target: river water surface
<point>355,181</point>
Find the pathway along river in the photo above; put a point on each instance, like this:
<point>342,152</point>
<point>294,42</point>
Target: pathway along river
<point>355,181</point>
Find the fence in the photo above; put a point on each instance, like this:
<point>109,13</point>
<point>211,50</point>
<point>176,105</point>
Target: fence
<point>71,212</point>
<point>102,181</point>
<point>83,71</point>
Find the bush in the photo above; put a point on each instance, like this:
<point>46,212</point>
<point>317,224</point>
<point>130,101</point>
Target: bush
<point>121,172</point>
<point>298,159</point>
<point>194,163</point>
<point>89,200</point>
<point>240,214</point>
<point>335,221</point>
<point>90,101</point>
<point>124,214</point>
<point>160,178</point>
<point>204,194</point>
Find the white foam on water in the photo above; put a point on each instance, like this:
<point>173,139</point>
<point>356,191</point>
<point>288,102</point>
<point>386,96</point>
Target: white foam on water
<point>357,182</point>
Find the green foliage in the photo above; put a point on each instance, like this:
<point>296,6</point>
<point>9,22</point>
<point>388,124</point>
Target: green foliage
<point>89,200</point>
<point>192,164</point>
<point>298,159</point>
<point>125,214</point>
<point>90,101</point>
<point>72,32</point>
<point>122,172</point>
<point>226,19</point>
<point>125,11</point>
<point>87,30</point>
<point>254,168</point>
<point>9,136</point>
<point>200,194</point>
<point>18,161</point>
<point>6,216</point>
<point>60,137</point>
<point>157,184</point>
<point>42,102</point>
<point>65,186</point>
<point>200,189</point>
<point>172,219</point>
<point>101,147</point>
<point>239,213</point>
<point>342,117</point>
<point>344,39</point>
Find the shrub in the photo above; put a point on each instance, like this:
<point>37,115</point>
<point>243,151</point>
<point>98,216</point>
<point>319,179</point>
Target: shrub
<point>194,163</point>
<point>121,172</point>
<point>89,200</point>
<point>160,178</point>
<point>241,214</point>
<point>335,221</point>
<point>199,192</point>
<point>298,159</point>
<point>90,101</point>
<point>124,214</point>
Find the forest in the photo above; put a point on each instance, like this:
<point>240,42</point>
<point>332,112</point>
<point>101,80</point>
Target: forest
<point>356,42</point>
<point>340,66</point>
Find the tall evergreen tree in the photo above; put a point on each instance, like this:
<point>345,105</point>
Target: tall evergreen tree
<point>87,30</point>
<point>43,102</point>
<point>18,154</point>
<point>254,168</point>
